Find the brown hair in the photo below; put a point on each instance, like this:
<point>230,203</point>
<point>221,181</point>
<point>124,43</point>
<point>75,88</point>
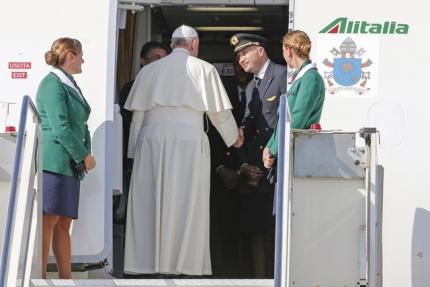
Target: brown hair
<point>59,50</point>
<point>298,41</point>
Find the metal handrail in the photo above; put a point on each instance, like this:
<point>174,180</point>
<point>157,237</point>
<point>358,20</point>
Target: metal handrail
<point>279,192</point>
<point>27,104</point>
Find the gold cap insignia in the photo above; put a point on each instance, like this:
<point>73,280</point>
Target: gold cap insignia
<point>234,40</point>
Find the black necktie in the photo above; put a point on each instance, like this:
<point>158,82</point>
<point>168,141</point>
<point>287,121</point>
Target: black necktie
<point>257,81</point>
<point>254,104</point>
<point>242,106</point>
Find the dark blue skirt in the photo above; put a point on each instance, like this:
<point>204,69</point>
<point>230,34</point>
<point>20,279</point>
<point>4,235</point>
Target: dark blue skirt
<point>60,194</point>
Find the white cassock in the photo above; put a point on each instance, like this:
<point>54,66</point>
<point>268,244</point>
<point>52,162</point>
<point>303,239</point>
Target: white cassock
<point>168,207</point>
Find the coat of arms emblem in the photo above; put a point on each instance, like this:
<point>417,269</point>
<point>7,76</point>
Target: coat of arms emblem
<point>347,68</point>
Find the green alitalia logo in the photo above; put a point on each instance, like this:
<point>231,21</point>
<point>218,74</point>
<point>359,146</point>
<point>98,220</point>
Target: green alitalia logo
<point>344,26</point>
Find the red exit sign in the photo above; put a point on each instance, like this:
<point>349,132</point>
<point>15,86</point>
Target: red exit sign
<point>19,75</point>
<point>19,65</point>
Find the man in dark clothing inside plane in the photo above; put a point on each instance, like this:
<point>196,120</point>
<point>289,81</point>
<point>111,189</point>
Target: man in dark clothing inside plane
<point>256,192</point>
<point>225,163</point>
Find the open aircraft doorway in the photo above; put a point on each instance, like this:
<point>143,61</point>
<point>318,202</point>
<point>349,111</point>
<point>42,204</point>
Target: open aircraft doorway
<point>216,22</point>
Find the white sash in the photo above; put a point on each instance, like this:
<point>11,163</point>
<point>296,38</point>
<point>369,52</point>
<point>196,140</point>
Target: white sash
<point>60,74</point>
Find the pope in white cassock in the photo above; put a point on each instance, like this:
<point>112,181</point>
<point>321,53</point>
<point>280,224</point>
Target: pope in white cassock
<point>168,209</point>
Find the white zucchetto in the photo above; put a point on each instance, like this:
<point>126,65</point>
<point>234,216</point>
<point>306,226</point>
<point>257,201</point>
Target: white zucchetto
<point>185,31</point>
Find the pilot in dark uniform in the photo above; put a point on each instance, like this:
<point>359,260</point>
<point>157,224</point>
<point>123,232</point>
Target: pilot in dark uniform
<point>256,193</point>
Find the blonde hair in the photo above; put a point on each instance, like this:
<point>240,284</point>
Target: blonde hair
<point>59,50</point>
<point>298,41</point>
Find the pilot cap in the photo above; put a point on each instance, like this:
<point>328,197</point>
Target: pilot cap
<point>242,40</point>
<point>185,31</point>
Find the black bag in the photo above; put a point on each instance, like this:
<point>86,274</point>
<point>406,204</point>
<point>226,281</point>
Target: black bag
<point>78,169</point>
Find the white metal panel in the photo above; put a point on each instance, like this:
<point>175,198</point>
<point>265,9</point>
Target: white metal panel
<point>406,188</point>
<point>29,35</point>
<point>332,155</point>
<point>326,222</point>
<point>420,249</point>
<point>7,154</point>
<point>375,190</point>
<point>334,237</point>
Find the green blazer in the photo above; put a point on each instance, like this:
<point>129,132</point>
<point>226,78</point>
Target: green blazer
<point>305,101</point>
<point>64,116</point>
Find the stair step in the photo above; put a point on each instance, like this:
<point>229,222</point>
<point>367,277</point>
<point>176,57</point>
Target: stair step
<point>153,282</point>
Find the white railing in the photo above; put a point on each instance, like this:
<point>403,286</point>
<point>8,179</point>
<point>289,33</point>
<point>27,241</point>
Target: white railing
<point>24,210</point>
<point>281,248</point>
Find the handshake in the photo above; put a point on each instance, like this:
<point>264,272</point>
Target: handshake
<point>252,173</point>
<point>240,139</point>
<point>231,178</point>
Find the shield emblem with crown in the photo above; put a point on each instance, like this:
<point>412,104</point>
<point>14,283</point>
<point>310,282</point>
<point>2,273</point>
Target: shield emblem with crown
<point>347,71</point>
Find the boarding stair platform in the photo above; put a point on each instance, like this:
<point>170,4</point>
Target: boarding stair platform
<point>328,212</point>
